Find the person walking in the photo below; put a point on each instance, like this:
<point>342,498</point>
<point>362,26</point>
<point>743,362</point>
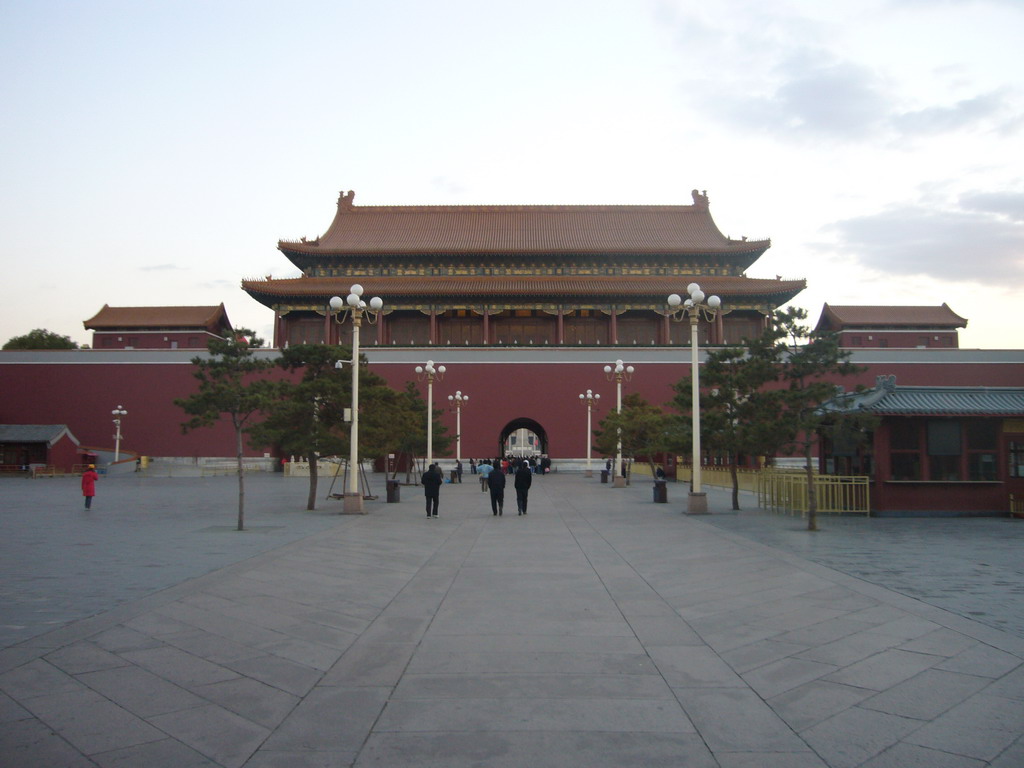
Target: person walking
<point>485,469</point>
<point>89,478</point>
<point>496,482</point>
<point>432,480</point>
<point>523,481</point>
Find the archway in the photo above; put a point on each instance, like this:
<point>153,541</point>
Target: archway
<point>528,424</point>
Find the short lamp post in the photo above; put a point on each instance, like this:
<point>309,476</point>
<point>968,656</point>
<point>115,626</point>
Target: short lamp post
<point>589,399</point>
<point>353,306</point>
<point>118,413</point>
<point>617,373</point>
<point>430,372</point>
<point>694,308</point>
<point>456,401</point>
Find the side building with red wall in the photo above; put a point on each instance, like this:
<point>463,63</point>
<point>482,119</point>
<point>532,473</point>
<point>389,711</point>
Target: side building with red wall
<point>157,327</point>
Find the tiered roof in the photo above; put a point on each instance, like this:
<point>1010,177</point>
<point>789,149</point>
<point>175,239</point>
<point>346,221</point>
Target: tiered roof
<point>509,230</point>
<point>363,241</point>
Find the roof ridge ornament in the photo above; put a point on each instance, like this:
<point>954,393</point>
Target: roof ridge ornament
<point>700,199</point>
<point>346,200</point>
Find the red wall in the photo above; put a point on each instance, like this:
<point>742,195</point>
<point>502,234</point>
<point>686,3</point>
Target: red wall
<point>80,388</point>
<point>548,394</point>
<point>150,339</point>
<point>83,395</point>
<point>900,339</point>
<point>64,454</point>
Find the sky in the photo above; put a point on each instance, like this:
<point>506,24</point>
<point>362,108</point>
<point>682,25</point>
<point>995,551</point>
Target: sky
<point>154,153</point>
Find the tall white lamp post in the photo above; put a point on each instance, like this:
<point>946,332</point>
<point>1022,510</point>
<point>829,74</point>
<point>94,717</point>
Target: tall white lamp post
<point>456,401</point>
<point>695,307</point>
<point>356,308</point>
<point>589,399</point>
<point>617,373</point>
<point>429,372</point>
<point>118,413</point>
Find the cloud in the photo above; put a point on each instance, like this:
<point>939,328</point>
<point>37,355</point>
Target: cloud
<point>838,100</point>
<point>161,268</point>
<point>845,102</point>
<point>796,77</point>
<point>978,244</point>
<point>1009,204</point>
<point>964,114</point>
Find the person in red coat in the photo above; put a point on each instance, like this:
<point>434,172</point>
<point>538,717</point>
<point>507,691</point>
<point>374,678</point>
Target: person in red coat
<point>89,478</point>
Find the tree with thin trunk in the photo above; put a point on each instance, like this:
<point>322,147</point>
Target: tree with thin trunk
<point>810,361</point>
<point>738,414</point>
<point>386,426</point>
<point>306,416</point>
<point>231,384</point>
<point>642,427</point>
<point>414,442</point>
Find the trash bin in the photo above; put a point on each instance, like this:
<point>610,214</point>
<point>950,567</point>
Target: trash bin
<point>661,492</point>
<point>604,475</point>
<point>453,476</point>
<point>394,493</point>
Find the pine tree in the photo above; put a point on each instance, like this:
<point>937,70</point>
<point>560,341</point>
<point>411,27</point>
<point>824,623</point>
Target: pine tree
<point>230,384</point>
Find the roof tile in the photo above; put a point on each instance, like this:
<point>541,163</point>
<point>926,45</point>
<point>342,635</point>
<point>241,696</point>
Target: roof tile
<point>524,229</point>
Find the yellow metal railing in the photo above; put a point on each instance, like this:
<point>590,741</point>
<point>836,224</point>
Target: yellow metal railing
<point>786,492</point>
<point>720,477</point>
<point>215,469</point>
<point>1016,506</point>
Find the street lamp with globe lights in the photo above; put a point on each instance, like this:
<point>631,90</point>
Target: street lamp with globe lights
<point>118,413</point>
<point>353,306</point>
<point>694,308</point>
<point>456,401</point>
<point>429,372</point>
<point>589,399</point>
<point>617,373</point>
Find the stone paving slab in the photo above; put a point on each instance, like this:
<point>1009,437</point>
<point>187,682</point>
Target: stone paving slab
<point>599,630</point>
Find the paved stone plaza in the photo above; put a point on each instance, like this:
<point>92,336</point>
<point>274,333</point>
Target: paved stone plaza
<point>599,630</point>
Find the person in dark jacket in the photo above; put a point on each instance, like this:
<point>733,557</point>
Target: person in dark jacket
<point>432,480</point>
<point>496,482</point>
<point>89,478</point>
<point>524,479</point>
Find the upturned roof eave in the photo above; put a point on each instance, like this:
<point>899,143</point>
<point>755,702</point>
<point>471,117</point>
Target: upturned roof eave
<point>270,299</point>
<point>744,248</point>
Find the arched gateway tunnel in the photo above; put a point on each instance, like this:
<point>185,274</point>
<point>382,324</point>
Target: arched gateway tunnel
<point>524,437</point>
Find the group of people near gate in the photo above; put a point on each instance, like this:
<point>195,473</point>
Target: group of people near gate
<point>492,479</point>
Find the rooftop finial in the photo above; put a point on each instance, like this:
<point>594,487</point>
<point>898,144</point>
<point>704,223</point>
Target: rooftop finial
<point>700,199</point>
<point>346,198</point>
